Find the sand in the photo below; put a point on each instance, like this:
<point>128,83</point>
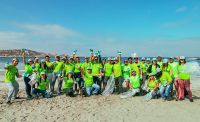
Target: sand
<point>98,108</point>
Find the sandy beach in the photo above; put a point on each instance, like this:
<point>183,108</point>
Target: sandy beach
<point>98,108</point>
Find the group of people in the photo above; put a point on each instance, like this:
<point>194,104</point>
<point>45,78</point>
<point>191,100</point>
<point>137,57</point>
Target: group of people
<point>157,77</point>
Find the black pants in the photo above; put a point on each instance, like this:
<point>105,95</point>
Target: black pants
<point>27,86</point>
<point>118,84</point>
<point>77,75</point>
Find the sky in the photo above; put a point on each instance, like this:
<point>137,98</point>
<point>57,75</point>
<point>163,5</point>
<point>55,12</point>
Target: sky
<point>145,27</point>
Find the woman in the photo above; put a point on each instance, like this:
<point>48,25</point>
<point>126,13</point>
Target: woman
<point>43,85</point>
<point>167,68</point>
<point>29,70</point>
<point>134,82</point>
<point>152,87</point>
<point>13,86</point>
<point>166,84</point>
<point>68,84</point>
<point>108,70</point>
<point>152,68</point>
<point>183,80</point>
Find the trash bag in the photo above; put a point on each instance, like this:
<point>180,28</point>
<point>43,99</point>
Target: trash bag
<point>33,79</point>
<point>129,93</point>
<point>148,96</point>
<point>109,87</point>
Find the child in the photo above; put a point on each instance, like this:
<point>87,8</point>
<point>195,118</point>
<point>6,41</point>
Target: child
<point>42,87</point>
<point>68,84</point>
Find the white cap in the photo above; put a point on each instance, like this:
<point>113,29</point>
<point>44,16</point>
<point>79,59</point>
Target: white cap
<point>165,61</point>
<point>182,57</point>
<point>154,59</point>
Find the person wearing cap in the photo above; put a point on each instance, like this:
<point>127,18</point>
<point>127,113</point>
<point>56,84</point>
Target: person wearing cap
<point>166,67</point>
<point>117,71</point>
<point>152,68</point>
<point>165,81</point>
<point>77,75</point>
<point>159,62</point>
<point>68,84</point>
<point>143,67</point>
<point>90,86</point>
<point>42,68</point>
<point>29,70</point>
<point>12,84</point>
<point>152,85</point>
<point>108,70</point>
<point>36,63</point>
<point>57,75</point>
<point>134,82</point>
<point>148,63</point>
<point>183,78</point>
<point>126,71</point>
<point>174,66</point>
<point>97,71</point>
<point>42,87</point>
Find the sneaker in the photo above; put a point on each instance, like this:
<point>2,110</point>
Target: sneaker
<point>191,100</point>
<point>168,98</point>
<point>17,98</point>
<point>8,102</point>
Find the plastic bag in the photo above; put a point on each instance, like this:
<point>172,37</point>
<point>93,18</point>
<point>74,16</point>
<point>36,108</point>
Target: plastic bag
<point>33,78</point>
<point>109,87</point>
<point>129,93</point>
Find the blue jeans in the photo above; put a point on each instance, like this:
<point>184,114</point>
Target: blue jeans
<point>37,92</point>
<point>165,90</point>
<point>90,88</point>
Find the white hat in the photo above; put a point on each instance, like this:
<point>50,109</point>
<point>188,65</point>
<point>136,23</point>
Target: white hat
<point>165,61</point>
<point>154,59</point>
<point>182,57</point>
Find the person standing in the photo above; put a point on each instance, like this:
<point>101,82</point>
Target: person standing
<point>13,86</point>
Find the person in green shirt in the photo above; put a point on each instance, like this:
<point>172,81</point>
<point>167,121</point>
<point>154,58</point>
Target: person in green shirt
<point>136,65</point>
<point>167,68</point>
<point>117,70</point>
<point>134,82</point>
<point>143,67</point>
<point>89,83</point>
<point>29,70</point>
<point>108,71</point>
<point>152,68</point>
<point>42,87</point>
<point>183,80</point>
<point>97,71</point>
<point>68,66</point>
<point>57,74</point>
<point>68,84</point>
<point>77,75</point>
<point>86,64</point>
<point>126,70</point>
<point>152,87</point>
<point>49,68</point>
<point>10,74</point>
<point>159,61</point>
<point>166,84</point>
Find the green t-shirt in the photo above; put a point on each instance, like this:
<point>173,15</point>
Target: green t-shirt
<point>117,68</point>
<point>68,83</point>
<point>165,79</point>
<point>37,66</point>
<point>126,71</point>
<point>144,67</point>
<point>28,69</point>
<point>43,84</point>
<point>153,69</point>
<point>96,67</point>
<point>69,67</point>
<point>88,78</point>
<point>39,70</point>
<point>10,74</point>
<point>135,67</point>
<point>58,66</point>
<point>135,81</point>
<point>49,68</point>
<point>183,74</point>
<point>86,65</point>
<point>152,84</point>
<point>167,69</point>
<point>174,66</point>
<point>108,69</point>
<point>77,67</point>
<point>160,63</point>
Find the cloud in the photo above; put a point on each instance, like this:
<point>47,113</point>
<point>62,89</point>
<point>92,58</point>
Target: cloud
<point>181,9</point>
<point>50,38</point>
